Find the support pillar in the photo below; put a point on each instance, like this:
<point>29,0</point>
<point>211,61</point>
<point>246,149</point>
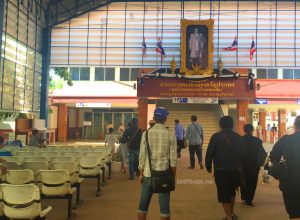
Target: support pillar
<point>262,119</point>
<point>281,122</point>
<point>242,115</point>
<point>62,123</point>
<point>142,113</point>
<point>45,74</point>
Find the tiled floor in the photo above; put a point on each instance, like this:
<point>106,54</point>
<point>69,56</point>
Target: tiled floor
<point>194,198</point>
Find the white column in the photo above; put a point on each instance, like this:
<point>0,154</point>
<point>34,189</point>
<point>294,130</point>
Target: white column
<point>92,73</point>
<point>280,73</point>
<point>117,73</point>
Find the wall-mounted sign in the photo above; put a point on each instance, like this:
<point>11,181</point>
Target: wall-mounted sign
<point>92,105</point>
<point>214,88</point>
<point>261,101</point>
<point>87,123</point>
<point>195,100</point>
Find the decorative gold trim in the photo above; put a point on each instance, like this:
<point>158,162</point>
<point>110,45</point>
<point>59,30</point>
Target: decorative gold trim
<point>196,69</point>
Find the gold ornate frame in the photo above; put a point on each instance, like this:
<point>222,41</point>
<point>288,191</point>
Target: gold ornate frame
<point>196,70</point>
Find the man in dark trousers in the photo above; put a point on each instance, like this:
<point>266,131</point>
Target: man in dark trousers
<point>251,166</point>
<point>195,137</point>
<point>179,132</point>
<point>226,150</point>
<point>132,136</point>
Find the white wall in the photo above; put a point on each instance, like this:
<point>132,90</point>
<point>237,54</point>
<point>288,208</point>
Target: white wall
<point>96,89</point>
<point>52,117</point>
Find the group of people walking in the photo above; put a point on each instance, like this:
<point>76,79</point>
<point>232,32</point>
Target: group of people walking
<point>235,161</point>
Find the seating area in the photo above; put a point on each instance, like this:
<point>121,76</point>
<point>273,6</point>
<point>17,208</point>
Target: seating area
<point>54,172</point>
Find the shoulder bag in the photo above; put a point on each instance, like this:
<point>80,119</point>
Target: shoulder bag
<point>161,181</point>
<point>279,169</point>
<point>133,136</point>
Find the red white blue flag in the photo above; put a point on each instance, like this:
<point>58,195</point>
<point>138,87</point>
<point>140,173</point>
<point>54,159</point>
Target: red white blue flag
<point>159,47</point>
<point>144,47</point>
<point>234,45</point>
<point>252,49</point>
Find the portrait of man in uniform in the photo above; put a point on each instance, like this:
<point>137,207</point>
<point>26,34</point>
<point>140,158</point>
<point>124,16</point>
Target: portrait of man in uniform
<point>197,47</point>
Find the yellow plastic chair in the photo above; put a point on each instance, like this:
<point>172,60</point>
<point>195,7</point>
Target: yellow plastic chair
<point>22,201</point>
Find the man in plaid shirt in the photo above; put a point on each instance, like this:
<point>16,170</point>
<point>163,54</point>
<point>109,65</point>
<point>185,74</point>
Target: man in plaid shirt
<point>163,145</point>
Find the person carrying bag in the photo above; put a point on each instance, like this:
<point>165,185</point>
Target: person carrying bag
<point>285,158</point>
<point>157,164</point>
<point>162,181</point>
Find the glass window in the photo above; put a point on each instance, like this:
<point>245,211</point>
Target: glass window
<point>85,73</point>
<point>124,74</point>
<point>261,73</point>
<point>9,72</point>
<point>74,73</point>
<point>29,79</point>
<point>297,74</point>
<point>30,58</point>
<point>272,74</point>
<point>110,74</point>
<point>7,99</point>
<point>99,74</point>
<point>37,82</point>
<point>288,73</point>
<point>134,74</point>
<point>117,121</point>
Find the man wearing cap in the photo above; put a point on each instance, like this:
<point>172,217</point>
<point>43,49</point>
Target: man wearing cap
<point>162,143</point>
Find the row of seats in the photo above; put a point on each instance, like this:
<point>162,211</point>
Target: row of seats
<point>42,166</point>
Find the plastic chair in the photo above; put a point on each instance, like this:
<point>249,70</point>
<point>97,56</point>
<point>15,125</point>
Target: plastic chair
<point>22,202</point>
<point>35,158</point>
<point>61,159</point>
<point>72,168</point>
<point>55,184</point>
<point>102,162</point>
<point>11,159</point>
<point>106,156</point>
<point>89,168</point>
<point>12,165</point>
<point>22,154</point>
<point>48,154</point>
<point>35,165</point>
<point>75,155</point>
<point>19,177</point>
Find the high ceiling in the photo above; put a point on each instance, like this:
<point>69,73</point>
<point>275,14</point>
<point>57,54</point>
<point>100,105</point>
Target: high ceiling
<point>63,10</point>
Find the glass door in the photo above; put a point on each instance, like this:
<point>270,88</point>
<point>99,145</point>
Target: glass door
<point>98,129</point>
<point>117,121</point>
<point>107,119</point>
<point>88,129</point>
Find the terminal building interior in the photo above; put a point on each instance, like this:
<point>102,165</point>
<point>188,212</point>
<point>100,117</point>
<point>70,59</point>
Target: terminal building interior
<point>75,75</point>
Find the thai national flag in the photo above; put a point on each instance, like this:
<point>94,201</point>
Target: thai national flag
<point>159,47</point>
<point>252,49</point>
<point>144,47</point>
<point>234,45</point>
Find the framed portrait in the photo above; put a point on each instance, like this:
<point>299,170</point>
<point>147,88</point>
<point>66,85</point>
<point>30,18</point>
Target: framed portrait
<point>197,47</point>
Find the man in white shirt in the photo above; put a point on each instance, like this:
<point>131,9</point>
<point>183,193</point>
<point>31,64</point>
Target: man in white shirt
<point>162,143</point>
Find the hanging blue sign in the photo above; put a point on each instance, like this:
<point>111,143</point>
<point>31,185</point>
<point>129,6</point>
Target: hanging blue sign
<point>261,101</point>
